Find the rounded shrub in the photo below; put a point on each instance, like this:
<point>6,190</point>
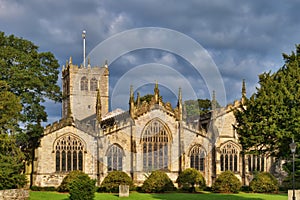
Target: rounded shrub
<point>190,177</point>
<point>112,181</point>
<point>64,186</point>
<point>82,188</point>
<point>158,181</point>
<point>264,182</point>
<point>227,182</point>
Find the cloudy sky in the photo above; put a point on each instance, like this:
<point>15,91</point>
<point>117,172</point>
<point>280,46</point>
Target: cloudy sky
<point>240,40</point>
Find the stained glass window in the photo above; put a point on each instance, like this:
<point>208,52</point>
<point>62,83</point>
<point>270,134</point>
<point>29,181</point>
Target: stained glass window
<point>115,158</point>
<point>197,158</point>
<point>69,153</point>
<point>155,144</point>
<point>229,157</point>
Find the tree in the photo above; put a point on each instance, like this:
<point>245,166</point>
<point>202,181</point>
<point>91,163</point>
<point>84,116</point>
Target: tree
<point>268,121</point>
<point>32,76</point>
<point>10,108</point>
<point>11,164</point>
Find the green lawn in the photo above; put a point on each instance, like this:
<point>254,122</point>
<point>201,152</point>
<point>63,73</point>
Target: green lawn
<point>167,196</point>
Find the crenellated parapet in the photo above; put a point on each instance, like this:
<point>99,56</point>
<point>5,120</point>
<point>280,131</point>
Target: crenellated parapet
<point>58,125</point>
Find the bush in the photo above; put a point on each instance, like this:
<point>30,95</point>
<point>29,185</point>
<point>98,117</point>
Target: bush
<point>287,183</point>
<point>158,181</point>
<point>64,186</point>
<point>264,182</point>
<point>190,177</point>
<point>37,188</point>
<point>227,182</point>
<point>82,188</point>
<point>112,181</point>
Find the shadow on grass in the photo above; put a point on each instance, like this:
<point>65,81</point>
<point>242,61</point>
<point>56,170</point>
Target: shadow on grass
<point>204,196</point>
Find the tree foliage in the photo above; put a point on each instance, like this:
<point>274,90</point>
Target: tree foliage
<point>269,120</point>
<point>10,109</point>
<point>11,164</point>
<point>32,76</point>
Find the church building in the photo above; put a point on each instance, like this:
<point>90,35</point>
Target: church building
<point>151,135</point>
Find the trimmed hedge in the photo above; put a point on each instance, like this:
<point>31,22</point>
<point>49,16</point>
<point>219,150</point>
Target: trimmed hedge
<point>264,182</point>
<point>227,182</point>
<point>112,181</point>
<point>64,186</point>
<point>190,177</point>
<point>158,181</point>
<point>82,188</point>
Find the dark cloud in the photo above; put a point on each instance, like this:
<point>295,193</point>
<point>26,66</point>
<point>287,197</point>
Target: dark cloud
<point>244,38</point>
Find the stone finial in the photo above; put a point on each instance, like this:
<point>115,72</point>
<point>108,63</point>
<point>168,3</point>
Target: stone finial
<point>70,60</point>
<point>98,106</point>
<point>156,92</point>
<point>106,64</point>
<point>214,101</point>
<point>179,104</point>
<point>131,103</point>
<point>138,99</point>
<point>243,91</point>
<point>89,62</point>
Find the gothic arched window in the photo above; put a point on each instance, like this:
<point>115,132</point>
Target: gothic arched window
<point>94,84</point>
<point>115,158</point>
<point>256,163</point>
<point>229,157</point>
<point>84,83</point>
<point>155,146</point>
<point>197,158</point>
<point>68,153</point>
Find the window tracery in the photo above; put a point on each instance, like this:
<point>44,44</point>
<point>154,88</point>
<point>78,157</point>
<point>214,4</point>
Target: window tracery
<point>94,84</point>
<point>197,158</point>
<point>115,158</point>
<point>256,163</point>
<point>155,143</point>
<point>229,157</point>
<point>68,154</point>
<point>84,83</point>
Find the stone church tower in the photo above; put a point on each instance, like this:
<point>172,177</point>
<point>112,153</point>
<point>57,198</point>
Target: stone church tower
<point>80,86</point>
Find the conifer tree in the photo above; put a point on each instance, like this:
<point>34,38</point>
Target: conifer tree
<point>270,118</point>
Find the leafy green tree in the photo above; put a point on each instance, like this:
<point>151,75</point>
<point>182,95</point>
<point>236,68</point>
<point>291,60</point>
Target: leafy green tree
<point>10,108</point>
<point>269,120</point>
<point>32,76</point>
<point>11,164</point>
<point>189,178</point>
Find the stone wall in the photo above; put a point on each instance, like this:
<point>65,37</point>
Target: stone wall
<point>14,194</point>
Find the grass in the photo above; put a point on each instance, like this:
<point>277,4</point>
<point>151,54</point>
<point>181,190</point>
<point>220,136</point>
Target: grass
<point>165,196</point>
